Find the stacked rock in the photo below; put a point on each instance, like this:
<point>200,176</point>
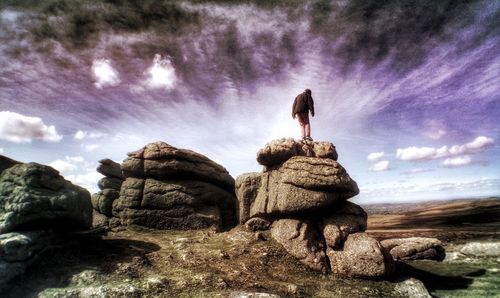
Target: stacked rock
<point>34,201</point>
<point>301,197</point>
<point>109,186</point>
<point>170,188</point>
<point>415,248</point>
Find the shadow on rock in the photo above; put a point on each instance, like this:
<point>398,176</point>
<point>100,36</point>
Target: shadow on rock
<point>75,254</point>
<point>433,281</point>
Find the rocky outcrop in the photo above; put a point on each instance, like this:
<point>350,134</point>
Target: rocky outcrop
<point>34,201</point>
<point>35,196</point>
<point>18,250</point>
<point>6,163</point>
<point>170,188</point>
<point>109,186</point>
<point>415,248</point>
<point>302,191</point>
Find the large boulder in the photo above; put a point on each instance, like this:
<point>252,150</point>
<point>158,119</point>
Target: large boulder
<point>414,248</point>
<point>279,151</point>
<point>302,240</point>
<point>302,184</point>
<point>34,196</point>
<point>361,256</point>
<point>170,188</point>
<point>162,161</point>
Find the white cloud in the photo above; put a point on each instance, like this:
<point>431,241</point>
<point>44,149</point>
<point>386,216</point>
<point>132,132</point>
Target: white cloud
<point>80,135</point>
<point>68,165</point>
<point>457,161</point>
<point>18,128</point>
<point>86,180</point>
<point>161,73</point>
<point>434,129</point>
<point>380,166</point>
<point>479,144</point>
<point>1,150</point>
<point>416,171</point>
<point>104,73</point>
<point>375,156</point>
<point>91,147</point>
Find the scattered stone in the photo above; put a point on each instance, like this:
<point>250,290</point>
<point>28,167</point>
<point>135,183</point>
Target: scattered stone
<point>35,196</point>
<point>252,295</point>
<point>481,249</point>
<point>411,288</point>
<point>415,248</point>
<point>258,224</point>
<point>361,256</point>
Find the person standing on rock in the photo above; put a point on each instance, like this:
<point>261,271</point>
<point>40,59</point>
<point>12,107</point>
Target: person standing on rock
<point>301,106</point>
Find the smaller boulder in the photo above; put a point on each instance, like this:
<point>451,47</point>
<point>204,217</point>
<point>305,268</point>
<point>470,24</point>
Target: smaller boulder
<point>362,256</point>
<point>110,183</point>
<point>301,239</point>
<point>349,218</point>
<point>258,224</point>
<point>415,248</point>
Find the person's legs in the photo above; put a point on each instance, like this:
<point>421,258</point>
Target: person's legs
<point>304,122</point>
<point>307,130</point>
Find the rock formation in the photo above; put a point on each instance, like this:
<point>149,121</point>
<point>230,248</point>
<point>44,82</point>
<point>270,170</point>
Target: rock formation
<point>34,201</point>
<point>170,188</point>
<point>301,197</point>
<point>414,248</point>
<point>109,186</point>
<point>34,196</point>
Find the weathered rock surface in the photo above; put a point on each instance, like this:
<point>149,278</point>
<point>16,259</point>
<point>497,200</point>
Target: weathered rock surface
<point>110,187</point>
<point>246,186</point>
<point>302,240</point>
<point>349,218</point>
<point>170,188</point>
<point>414,248</point>
<point>162,161</point>
<point>258,224</point>
<point>361,256</point>
<point>6,163</point>
<point>302,184</point>
<point>411,288</point>
<point>109,168</point>
<point>18,250</point>
<point>279,151</point>
<point>35,196</point>
<point>481,249</point>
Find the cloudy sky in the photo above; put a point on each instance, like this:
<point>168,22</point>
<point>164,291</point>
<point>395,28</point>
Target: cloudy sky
<point>408,91</point>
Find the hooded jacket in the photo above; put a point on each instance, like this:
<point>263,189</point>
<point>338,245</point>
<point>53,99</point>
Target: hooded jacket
<point>303,103</point>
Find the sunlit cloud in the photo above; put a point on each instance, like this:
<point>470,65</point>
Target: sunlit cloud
<point>375,156</point>
<point>161,74</point>
<point>91,147</point>
<point>19,128</point>
<point>104,74</point>
<point>479,144</point>
<point>88,179</point>
<point>380,166</point>
<point>1,150</point>
<point>459,161</point>
<point>68,164</point>
<point>80,135</point>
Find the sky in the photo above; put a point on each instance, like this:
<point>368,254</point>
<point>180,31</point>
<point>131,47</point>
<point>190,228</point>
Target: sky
<point>407,91</point>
